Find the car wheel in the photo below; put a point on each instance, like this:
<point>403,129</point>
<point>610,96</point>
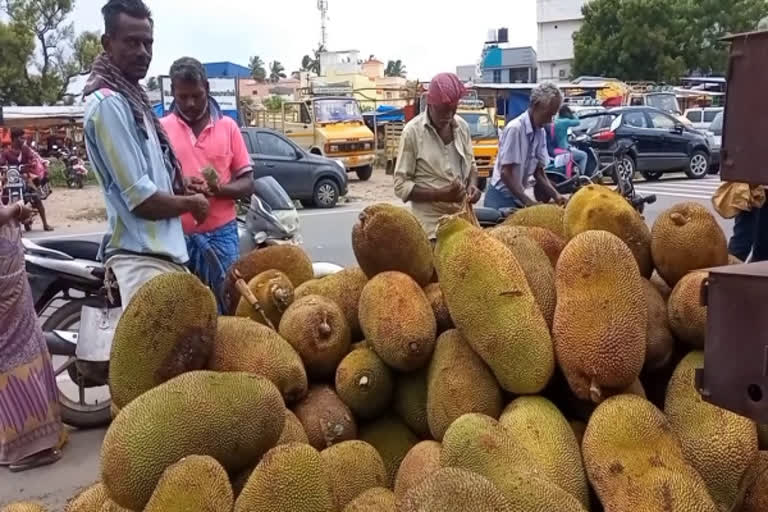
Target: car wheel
<point>626,168</point>
<point>364,173</point>
<point>652,175</point>
<point>698,167</point>
<point>326,194</point>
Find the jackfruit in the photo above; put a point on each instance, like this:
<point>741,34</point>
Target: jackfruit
<point>596,207</point>
<point>397,320</point>
<point>111,506</point>
<point>720,444</point>
<point>421,461</point>
<point>90,499</point>
<point>687,315</point>
<point>373,500</point>
<point>290,477</point>
<point>274,292</point>
<point>410,401</point>
<point>542,430</point>
<point>601,317</point>
<point>194,483</point>
<point>326,419</point>
<point>392,439</point>
<point>353,468</point>
<point>113,410</point>
<point>492,305</point>
<point>687,237</point>
<point>659,341</point>
<point>458,383</point>
<point>547,216</point>
<point>293,430</point>
<point>437,301</point>
<point>550,243</point>
<point>756,485</point>
<point>364,383</point>
<point>344,288</point>
<point>661,285</point>
<point>291,260</point>
<point>316,328</point>
<point>167,329</point>
<point>389,238</point>
<point>635,462</point>
<point>535,263</point>
<point>233,417</point>
<point>243,345</point>
<point>455,490</point>
<point>26,506</point>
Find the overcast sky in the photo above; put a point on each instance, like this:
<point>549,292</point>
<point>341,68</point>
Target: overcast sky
<point>428,35</point>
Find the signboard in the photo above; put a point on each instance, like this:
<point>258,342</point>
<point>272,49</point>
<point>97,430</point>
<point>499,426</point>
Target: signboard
<point>223,90</point>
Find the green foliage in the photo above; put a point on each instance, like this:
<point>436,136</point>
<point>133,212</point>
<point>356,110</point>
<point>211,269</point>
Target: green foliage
<point>16,47</point>
<point>57,175</point>
<point>258,71</point>
<point>153,84</point>
<point>395,68</point>
<point>273,103</point>
<point>276,71</point>
<point>309,63</point>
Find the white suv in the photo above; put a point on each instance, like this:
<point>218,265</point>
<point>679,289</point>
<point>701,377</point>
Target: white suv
<point>701,118</point>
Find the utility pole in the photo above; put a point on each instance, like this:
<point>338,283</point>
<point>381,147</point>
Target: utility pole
<point>322,6</point>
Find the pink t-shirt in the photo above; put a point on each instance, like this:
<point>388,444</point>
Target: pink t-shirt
<point>220,145</point>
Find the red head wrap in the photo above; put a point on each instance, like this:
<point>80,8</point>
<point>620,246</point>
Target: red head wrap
<point>445,88</point>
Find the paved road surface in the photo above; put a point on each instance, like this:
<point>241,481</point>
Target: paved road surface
<point>327,238</point>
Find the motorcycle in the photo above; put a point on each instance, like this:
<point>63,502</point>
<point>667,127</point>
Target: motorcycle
<point>75,171</point>
<point>15,190</point>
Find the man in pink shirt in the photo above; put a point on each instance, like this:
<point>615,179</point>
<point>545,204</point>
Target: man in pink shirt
<point>203,138</point>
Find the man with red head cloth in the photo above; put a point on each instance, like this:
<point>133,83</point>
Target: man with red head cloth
<point>436,168</point>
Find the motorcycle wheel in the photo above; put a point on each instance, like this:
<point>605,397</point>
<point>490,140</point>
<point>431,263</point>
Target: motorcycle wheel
<point>77,413</point>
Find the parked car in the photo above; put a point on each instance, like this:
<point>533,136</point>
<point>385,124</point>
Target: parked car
<point>307,177</point>
<point>662,143</point>
<point>715,131</point>
<point>701,118</point>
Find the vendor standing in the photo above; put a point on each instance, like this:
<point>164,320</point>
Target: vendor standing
<point>436,168</point>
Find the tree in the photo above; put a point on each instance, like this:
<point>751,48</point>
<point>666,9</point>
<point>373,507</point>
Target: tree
<point>17,45</point>
<point>87,47</point>
<point>258,71</point>
<point>276,71</point>
<point>152,84</point>
<point>395,68</point>
<point>309,63</point>
<point>274,103</point>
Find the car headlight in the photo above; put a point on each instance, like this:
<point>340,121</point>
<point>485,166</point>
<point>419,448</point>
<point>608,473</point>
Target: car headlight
<point>341,165</point>
<point>367,146</point>
<point>334,148</point>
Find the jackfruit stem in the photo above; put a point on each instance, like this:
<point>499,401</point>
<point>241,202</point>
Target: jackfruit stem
<point>324,328</point>
<point>595,394</point>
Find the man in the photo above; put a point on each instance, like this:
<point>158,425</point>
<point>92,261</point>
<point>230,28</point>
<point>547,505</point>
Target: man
<point>131,155</point>
<point>436,168</point>
<point>523,153</point>
<point>20,154</point>
<point>203,137</point>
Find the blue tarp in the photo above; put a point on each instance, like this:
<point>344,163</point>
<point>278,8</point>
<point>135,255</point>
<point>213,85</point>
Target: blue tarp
<point>516,104</point>
<point>226,70</point>
<point>386,113</point>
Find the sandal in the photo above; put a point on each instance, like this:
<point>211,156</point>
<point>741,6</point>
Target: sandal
<point>37,460</point>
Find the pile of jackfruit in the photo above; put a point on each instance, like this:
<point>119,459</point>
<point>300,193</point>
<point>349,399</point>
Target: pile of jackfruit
<point>544,365</point>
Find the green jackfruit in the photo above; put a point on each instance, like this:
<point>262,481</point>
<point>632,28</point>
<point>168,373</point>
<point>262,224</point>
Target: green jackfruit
<point>365,383</point>
<point>455,490</point>
<point>326,419</point>
<point>242,345</point>
<point>549,242</point>
<point>660,344</point>
<point>410,401</point>
<point>397,320</point>
<point>274,292</point>
<point>167,329</point>
<point>290,477</point>
<point>90,499</point>
<point>233,417</point>
<point>373,500</point>
<point>458,382</point>
<point>687,315</point>
<point>492,305</point>
<point>393,440</point>
<point>353,467</point>
<point>344,288</point>
<point>194,483</point>
<point>111,506</point>
<point>389,238</point>
<point>542,429</point>
<point>421,461</point>
<point>293,430</point>
<point>442,315</point>
<point>720,444</point>
<point>547,216</point>
<point>26,506</point>
<point>601,317</point>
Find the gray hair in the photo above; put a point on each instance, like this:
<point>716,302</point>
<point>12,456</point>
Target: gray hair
<point>545,93</point>
<point>188,69</point>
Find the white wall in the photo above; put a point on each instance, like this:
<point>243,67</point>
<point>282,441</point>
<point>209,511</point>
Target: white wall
<point>550,71</point>
<point>557,10</point>
<point>556,40</point>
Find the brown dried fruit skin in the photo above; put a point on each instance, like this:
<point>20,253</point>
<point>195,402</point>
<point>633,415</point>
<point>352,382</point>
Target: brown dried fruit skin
<point>353,467</point>
<point>684,238</point>
<point>365,383</point>
<point>344,288</point>
<point>420,462</point>
<point>601,317</point>
<point>435,297</point>
<point>326,419</point>
<point>455,490</point>
<point>547,216</point>
<point>660,342</point>
<point>274,292</point>
<point>687,317</point>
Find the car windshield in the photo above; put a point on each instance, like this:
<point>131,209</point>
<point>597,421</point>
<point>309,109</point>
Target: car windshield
<point>334,110</point>
<point>667,102</point>
<point>717,125</point>
<point>480,125</point>
<point>593,123</point>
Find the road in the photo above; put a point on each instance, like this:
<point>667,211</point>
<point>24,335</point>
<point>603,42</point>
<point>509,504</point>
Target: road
<point>327,238</point>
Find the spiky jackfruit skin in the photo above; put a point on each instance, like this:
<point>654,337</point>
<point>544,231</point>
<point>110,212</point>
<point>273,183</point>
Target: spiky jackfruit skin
<point>545,433</point>
<point>326,419</point>
<point>421,461</point>
<point>435,297</point>
<point>458,382</point>
<point>492,305</point>
<point>389,238</point>
<point>392,439</point>
<point>26,506</point>
<point>756,484</point>
<point>365,383</point>
<point>547,216</point>
<point>90,499</point>
<point>635,462</point>
<point>111,506</point>
<point>397,320</point>
<point>344,288</point>
<point>659,340</point>
<point>596,207</point>
<point>410,401</point>
<point>168,329</point>
<point>194,483</point>
<point>353,467</point>
<point>291,260</point>
<point>242,345</point>
<point>274,292</point>
<point>293,430</point>
<point>289,477</point>
<point>316,327</point>
<point>378,499</point>
<point>687,237</point>
<point>720,444</point>
<point>536,265</point>
<point>687,316</point>
<point>233,417</point>
<point>601,317</point>
<point>455,490</point>
<point>550,243</point>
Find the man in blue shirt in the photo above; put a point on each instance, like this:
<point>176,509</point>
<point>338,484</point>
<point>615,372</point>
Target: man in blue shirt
<point>130,152</point>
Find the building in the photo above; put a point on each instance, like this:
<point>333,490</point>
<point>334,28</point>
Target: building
<point>557,21</point>
<point>508,65</point>
<point>260,91</point>
<point>467,73</point>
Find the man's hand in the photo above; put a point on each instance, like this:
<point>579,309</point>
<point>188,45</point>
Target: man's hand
<point>26,213</point>
<point>453,193</point>
<point>474,194</point>
<point>195,185</point>
<point>561,200</point>
<point>198,206</point>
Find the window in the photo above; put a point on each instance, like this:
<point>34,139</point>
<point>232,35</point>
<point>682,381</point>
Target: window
<point>497,76</point>
<point>248,142</point>
<point>562,73</point>
<point>710,115</point>
<point>274,146</point>
<point>635,120</point>
<point>661,121</point>
<point>694,116</point>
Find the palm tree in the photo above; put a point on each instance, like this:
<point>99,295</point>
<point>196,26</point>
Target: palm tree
<point>308,63</point>
<point>395,68</point>
<point>276,71</point>
<point>258,72</point>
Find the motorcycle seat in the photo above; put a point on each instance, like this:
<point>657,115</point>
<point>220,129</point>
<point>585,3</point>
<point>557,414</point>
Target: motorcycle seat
<point>488,215</point>
<point>78,249</point>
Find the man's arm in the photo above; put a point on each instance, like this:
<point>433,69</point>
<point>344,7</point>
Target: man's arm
<point>239,188</point>
<point>511,158</point>
<point>405,171</point>
<point>512,177</point>
<point>472,190</point>
<point>541,176</point>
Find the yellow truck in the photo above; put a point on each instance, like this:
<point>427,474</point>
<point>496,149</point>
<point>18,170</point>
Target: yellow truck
<point>485,137</point>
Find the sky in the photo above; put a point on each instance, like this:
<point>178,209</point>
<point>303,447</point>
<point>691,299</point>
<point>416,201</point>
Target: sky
<point>427,35</point>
